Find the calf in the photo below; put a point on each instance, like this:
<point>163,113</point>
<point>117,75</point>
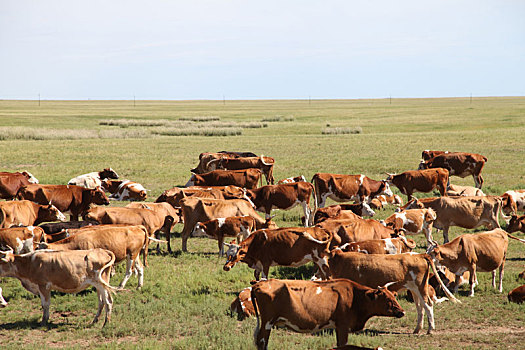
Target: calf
<point>21,239</point>
<point>467,191</point>
<point>310,306</point>
<point>517,295</point>
<point>67,272</point>
<point>124,190</point>
<point>401,271</point>
<point>516,201</point>
<point>394,200</point>
<point>420,181</point>
<point>292,246</point>
<point>413,221</point>
<point>381,246</point>
<point>236,226</point>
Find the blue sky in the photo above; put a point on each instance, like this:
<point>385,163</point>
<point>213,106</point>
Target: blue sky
<point>260,50</point>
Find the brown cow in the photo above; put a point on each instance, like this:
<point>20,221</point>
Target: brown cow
<point>381,246</point>
<point>93,180</point>
<point>27,213</point>
<point>466,212</point>
<point>343,188</point>
<point>67,198</point>
<point>356,230</point>
<point>427,154</point>
<point>420,181</point>
<point>125,241</point>
<point>10,183</point>
<point>517,223</point>
<point>400,271</point>
<point>310,306</point>
<point>485,251</point>
<point>236,226</point>
<point>468,191</point>
<point>196,210</point>
<point>205,158</point>
<point>342,211</point>
<point>20,239</point>
<point>517,295</point>
<point>175,194</point>
<point>67,272</point>
<point>56,227</point>
<point>413,221</point>
<point>460,164</point>
<point>247,178</point>
<point>291,246</point>
<point>265,164</point>
<point>284,197</point>
<point>124,190</point>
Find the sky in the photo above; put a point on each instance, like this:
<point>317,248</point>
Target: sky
<point>179,50</point>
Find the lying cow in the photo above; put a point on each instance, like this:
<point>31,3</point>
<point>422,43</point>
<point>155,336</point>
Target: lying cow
<point>94,179</point>
<point>27,213</point>
<point>517,295</point>
<point>67,198</point>
<point>10,183</point>
<point>468,191</point>
<point>381,246</point>
<point>242,305</point>
<point>401,271</point>
<point>460,164</point>
<point>516,201</point>
<point>484,252</point>
<point>344,188</point>
<point>420,181</point>
<point>21,239</point>
<point>342,211</point>
<point>292,179</point>
<point>291,246</point>
<point>69,272</point>
<point>52,228</point>
<point>124,190</point>
<point>413,221</point>
<point>239,227</point>
<point>247,178</point>
<point>517,223</point>
<point>310,306</point>
<point>393,200</point>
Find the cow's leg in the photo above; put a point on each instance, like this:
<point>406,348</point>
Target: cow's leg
<point>257,274</point>
<point>456,283</point>
<point>128,273</point>
<point>429,311</point>
<point>500,288</point>
<point>472,280</point>
<point>262,334</point>
<point>265,272</point>
<point>140,272</point>
<point>45,300</point>
<point>419,309</point>
<point>221,244</point>
<point>307,214</point>
<point>109,305</point>
<point>101,303</point>
<point>445,234</point>
<point>428,234</point>
<point>185,235</point>
<point>341,333</point>
<point>478,180</point>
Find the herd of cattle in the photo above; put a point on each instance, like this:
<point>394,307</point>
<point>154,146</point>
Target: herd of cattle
<point>353,255</point>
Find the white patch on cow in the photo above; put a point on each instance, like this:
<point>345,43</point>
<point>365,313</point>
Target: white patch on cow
<point>304,260</point>
<point>318,290</point>
<point>390,248</point>
<point>367,211</point>
<point>361,179</point>
<point>460,270</point>
<point>281,321</point>
<point>268,326</point>
<point>387,191</point>
<point>220,222</point>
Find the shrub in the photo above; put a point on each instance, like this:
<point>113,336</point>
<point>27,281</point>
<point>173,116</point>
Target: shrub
<point>336,131</point>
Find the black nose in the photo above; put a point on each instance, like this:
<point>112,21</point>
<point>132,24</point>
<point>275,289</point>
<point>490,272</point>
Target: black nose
<point>399,314</point>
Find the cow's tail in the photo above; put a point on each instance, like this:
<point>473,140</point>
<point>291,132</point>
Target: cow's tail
<point>309,237</point>
<point>256,309</point>
<point>108,265</point>
<point>516,238</point>
<point>315,186</point>
<point>406,242</point>
<point>436,273</point>
<point>314,195</point>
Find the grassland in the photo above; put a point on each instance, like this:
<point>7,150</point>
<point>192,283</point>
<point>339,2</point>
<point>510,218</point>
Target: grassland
<point>186,295</point>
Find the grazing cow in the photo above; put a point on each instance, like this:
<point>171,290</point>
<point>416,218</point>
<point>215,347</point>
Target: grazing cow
<point>427,154</point>
<point>125,241</point>
<point>468,191</point>
<point>516,199</point>
<point>343,211</point>
<point>27,213</point>
<point>348,231</point>
<point>310,306</point>
<point>20,239</point>
<point>413,221</point>
<point>458,164</point>
<point>67,198</point>
<point>236,226</point>
<point>174,195</point>
<point>344,188</point>
<point>265,164</point>
<point>517,223</point>
<point>517,295</point>
<point>242,305</point>
<point>10,183</point>
<point>247,178</point>
<point>284,197</point>
<point>291,246</point>
<point>162,208</point>
<point>420,181</point>
<point>381,246</point>
<point>485,251</point>
<point>124,190</point>
<point>67,272</point>
<point>196,210</point>
<point>205,158</point>
<point>292,179</point>
<point>401,271</point>
<point>94,179</point>
<point>56,227</point>
<point>466,212</point>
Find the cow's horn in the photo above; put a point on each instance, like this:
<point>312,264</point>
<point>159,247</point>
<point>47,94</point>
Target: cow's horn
<point>387,285</point>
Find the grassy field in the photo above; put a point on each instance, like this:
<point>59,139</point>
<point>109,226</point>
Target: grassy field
<point>186,296</point>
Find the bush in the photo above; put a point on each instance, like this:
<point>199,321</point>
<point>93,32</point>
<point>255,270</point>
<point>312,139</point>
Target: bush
<point>336,131</point>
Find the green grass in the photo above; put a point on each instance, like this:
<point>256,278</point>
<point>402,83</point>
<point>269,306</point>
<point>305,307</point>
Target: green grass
<point>185,298</point>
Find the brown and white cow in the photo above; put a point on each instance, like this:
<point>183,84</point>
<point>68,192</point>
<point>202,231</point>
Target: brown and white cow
<point>68,272</point>
<point>124,190</point>
<point>381,246</point>
<point>196,210</point>
<point>516,200</point>
<point>10,183</point>
<point>468,191</point>
<point>239,227</point>
<point>484,252</point>
<point>310,306</point>
<point>265,164</point>
<point>27,213</point>
<point>517,223</point>
<point>242,305</point>
<point>460,164</point>
<point>466,212</point>
<point>394,200</point>
<point>67,198</point>
<point>413,221</point>
<point>401,271</point>
<point>94,179</point>
<point>343,188</point>
<point>420,181</point>
<point>175,194</point>
<point>342,211</point>
<point>292,179</point>
<point>247,178</point>
<point>205,158</point>
<point>21,239</point>
<point>127,242</point>
<point>517,295</point>
<point>291,246</point>
<point>284,197</point>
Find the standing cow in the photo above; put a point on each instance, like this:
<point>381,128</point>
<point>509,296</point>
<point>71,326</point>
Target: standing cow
<point>10,183</point>
<point>420,181</point>
<point>460,164</point>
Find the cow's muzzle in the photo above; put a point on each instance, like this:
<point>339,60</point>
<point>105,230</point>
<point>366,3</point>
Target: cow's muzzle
<point>399,314</point>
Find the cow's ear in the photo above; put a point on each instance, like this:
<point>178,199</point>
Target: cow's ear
<point>371,294</point>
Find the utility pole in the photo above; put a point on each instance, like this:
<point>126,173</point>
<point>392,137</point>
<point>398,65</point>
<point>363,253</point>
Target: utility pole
<point>133,100</point>
<point>390,98</point>
<point>471,98</point>
<point>39,99</point>
<point>309,100</point>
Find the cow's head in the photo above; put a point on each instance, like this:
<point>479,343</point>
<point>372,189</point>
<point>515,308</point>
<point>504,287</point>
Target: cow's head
<point>414,203</point>
<point>430,215</point>
<point>435,253</point>
<point>234,254</point>
<point>383,302</point>
<point>508,205</point>
<point>423,164</point>
<point>51,213</point>
<point>384,188</point>
<point>98,196</point>
<point>30,177</point>
<point>325,213</point>
<point>108,173</point>
<point>517,223</point>
<point>191,181</point>
<point>366,210</point>
<point>6,257</point>
<point>199,230</point>
<point>106,185</point>
<point>390,178</point>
